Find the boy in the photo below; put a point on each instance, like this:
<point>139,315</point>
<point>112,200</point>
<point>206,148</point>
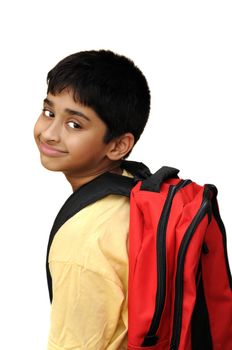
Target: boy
<point>96,108</point>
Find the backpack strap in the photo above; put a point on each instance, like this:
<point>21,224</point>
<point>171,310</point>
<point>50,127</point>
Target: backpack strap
<point>138,169</point>
<point>154,182</point>
<point>99,187</point>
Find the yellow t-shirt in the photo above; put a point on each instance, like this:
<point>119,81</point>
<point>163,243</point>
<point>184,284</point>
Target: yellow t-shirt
<point>88,261</point>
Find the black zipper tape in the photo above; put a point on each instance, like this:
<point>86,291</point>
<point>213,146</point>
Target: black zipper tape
<point>221,226</point>
<point>151,338</point>
<point>204,209</point>
<point>223,232</point>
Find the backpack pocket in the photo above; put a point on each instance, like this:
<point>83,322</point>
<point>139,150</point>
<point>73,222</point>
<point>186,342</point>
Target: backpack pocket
<point>147,274</point>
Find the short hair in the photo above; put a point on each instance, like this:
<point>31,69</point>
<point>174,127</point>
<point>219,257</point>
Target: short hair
<point>109,83</point>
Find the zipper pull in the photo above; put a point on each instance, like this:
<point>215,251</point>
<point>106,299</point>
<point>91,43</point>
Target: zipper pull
<point>150,340</point>
<point>205,249</point>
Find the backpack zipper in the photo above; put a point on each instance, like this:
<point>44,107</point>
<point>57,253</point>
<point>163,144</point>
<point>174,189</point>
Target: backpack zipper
<point>205,207</point>
<point>224,239</point>
<point>151,337</point>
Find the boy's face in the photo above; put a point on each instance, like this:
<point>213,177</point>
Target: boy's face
<point>76,131</point>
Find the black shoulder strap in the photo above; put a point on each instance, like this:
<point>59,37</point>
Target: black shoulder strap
<point>153,183</point>
<point>101,186</point>
<point>139,170</point>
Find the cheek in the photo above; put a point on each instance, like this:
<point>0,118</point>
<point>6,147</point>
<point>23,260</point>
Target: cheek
<point>79,144</point>
<point>37,128</point>
<point>86,144</point>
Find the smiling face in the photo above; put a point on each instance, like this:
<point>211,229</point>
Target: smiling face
<point>77,132</point>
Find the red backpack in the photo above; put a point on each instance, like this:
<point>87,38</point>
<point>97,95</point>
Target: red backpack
<point>180,285</point>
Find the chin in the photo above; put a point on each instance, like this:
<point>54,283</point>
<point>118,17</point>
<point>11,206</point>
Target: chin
<point>50,165</point>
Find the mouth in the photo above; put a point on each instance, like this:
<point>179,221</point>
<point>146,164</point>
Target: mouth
<point>50,151</point>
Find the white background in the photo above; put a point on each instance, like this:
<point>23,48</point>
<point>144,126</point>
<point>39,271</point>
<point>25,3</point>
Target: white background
<point>183,48</point>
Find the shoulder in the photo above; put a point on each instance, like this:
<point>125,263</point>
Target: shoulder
<point>107,209</point>
<point>98,232</point>
<point>96,239</point>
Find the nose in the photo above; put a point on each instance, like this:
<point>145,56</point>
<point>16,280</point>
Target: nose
<point>52,132</point>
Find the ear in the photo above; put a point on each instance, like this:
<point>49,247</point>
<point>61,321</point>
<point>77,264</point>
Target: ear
<point>120,146</point>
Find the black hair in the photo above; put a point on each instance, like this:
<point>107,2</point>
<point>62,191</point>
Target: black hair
<point>108,83</point>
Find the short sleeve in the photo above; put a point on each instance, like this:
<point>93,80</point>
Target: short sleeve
<point>88,310</point>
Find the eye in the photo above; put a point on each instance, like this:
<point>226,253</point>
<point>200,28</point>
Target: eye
<point>47,113</point>
<point>50,114</point>
<point>75,125</point>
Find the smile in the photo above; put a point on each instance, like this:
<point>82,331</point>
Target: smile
<point>50,151</point>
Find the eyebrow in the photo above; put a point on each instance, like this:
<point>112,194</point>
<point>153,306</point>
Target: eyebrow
<point>67,110</point>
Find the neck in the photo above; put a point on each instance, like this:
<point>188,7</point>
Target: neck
<point>78,181</point>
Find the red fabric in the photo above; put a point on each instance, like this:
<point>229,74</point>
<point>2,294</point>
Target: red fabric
<point>146,209</point>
